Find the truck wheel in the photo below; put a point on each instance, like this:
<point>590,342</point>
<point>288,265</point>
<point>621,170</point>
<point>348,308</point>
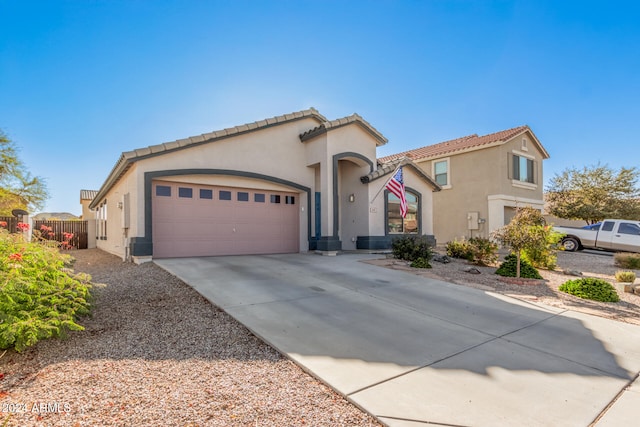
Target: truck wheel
<point>571,244</point>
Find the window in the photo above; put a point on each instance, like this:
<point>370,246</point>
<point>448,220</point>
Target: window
<point>523,169</point>
<point>629,228</point>
<point>275,198</point>
<point>243,197</point>
<point>225,195</point>
<point>395,223</point>
<point>290,200</point>
<point>163,191</point>
<point>101,221</point>
<point>185,192</point>
<point>441,172</point>
<point>608,226</point>
<point>206,194</point>
<point>258,198</point>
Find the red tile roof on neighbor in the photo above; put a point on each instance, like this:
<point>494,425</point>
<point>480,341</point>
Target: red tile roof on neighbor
<point>465,143</point>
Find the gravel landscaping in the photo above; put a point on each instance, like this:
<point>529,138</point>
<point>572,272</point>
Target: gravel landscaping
<point>590,264</point>
<point>154,353</point>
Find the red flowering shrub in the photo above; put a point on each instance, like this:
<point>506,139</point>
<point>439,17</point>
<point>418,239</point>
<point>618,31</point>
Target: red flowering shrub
<point>40,297</point>
<point>15,257</point>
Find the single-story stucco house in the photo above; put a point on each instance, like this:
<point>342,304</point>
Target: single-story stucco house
<point>290,183</point>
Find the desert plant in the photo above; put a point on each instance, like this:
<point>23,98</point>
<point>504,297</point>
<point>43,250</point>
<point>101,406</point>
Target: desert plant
<point>544,256</point>
<point>627,260</point>
<point>509,268</point>
<point>478,250</point>
<point>410,248</point>
<point>39,296</point>
<point>459,249</point>
<point>420,263</point>
<point>527,231</point>
<point>625,276</point>
<point>591,288</point>
<point>483,251</point>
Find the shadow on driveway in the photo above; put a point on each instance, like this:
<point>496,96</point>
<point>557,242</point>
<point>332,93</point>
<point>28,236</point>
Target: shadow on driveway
<point>410,348</point>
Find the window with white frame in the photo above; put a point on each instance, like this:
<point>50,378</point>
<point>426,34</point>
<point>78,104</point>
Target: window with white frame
<point>441,172</point>
<point>101,221</point>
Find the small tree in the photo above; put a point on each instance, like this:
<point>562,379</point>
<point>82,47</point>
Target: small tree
<point>527,230</point>
<point>18,188</point>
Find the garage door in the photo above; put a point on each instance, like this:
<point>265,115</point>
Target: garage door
<point>199,220</point>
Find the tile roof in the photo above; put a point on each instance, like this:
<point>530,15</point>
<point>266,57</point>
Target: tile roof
<point>88,194</point>
<point>127,158</point>
<point>465,143</point>
<point>334,124</point>
<point>390,167</point>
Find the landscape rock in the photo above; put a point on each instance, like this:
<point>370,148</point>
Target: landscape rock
<point>441,258</point>
<point>472,270</point>
<point>572,273</point>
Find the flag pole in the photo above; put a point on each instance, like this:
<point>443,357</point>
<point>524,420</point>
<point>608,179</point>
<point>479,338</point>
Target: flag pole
<point>385,184</point>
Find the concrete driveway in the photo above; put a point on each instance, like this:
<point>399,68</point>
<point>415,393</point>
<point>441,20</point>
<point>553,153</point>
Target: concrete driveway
<point>412,350</point>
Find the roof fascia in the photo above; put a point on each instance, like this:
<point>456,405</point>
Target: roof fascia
<point>127,158</point>
<point>345,121</point>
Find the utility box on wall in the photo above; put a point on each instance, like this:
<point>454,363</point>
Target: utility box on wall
<point>472,220</point>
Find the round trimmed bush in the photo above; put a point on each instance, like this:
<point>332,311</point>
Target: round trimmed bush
<point>410,248</point>
<point>421,263</point>
<point>508,268</point>
<point>625,276</point>
<point>591,288</point>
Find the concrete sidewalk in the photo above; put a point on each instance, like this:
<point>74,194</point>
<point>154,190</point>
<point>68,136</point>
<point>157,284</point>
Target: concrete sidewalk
<point>411,350</point>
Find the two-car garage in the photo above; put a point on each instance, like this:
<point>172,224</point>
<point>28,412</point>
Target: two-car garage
<point>205,220</point>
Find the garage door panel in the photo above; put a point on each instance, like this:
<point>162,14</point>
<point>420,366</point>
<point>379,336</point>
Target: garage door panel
<point>210,226</point>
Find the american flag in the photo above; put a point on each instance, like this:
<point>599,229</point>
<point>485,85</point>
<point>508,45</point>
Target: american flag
<point>396,186</point>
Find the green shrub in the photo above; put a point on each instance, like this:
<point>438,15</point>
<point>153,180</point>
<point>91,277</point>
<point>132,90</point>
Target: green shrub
<point>508,268</point>
<point>544,256</point>
<point>591,288</point>
<point>625,276</point>
<point>478,250</point>
<point>627,260</point>
<point>483,251</point>
<point>459,249</point>
<point>39,296</point>
<point>410,248</point>
<point>420,263</point>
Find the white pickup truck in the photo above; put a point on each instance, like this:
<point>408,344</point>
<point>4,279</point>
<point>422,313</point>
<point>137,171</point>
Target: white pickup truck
<point>611,235</point>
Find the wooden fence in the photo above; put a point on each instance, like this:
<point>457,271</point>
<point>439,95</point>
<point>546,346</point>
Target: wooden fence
<point>11,221</point>
<point>58,228</point>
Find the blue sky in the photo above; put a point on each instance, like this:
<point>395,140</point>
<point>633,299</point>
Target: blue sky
<point>83,80</point>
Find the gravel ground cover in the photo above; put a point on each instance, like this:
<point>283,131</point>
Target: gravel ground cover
<point>590,264</point>
<point>156,353</point>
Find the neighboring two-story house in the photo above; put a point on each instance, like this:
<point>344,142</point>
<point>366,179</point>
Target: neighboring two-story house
<point>483,180</point>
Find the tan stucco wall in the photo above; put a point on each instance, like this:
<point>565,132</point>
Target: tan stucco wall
<point>117,240</point>
<point>376,202</point>
<point>89,216</point>
<point>479,182</point>
<point>275,152</point>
